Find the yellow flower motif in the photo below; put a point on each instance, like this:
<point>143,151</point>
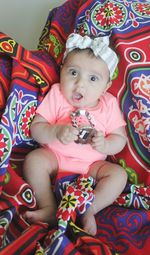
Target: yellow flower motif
<point>68,201</point>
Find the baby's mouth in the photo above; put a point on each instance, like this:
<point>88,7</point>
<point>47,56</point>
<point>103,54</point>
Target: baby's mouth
<point>77,97</point>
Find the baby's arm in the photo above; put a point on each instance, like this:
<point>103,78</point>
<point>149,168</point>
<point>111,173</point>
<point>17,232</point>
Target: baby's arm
<point>44,133</point>
<point>111,144</point>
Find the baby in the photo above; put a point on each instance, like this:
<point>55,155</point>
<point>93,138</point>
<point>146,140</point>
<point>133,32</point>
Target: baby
<point>85,76</point>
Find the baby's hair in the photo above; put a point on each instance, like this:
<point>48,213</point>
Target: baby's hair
<point>77,50</point>
<point>89,51</point>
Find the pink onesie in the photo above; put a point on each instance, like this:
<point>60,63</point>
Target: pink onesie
<point>75,157</point>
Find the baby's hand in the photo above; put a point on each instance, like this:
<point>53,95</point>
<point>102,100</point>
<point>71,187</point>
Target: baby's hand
<point>67,134</point>
<point>98,142</point>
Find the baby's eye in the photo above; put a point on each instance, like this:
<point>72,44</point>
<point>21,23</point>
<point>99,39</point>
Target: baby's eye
<point>93,78</point>
<point>73,72</point>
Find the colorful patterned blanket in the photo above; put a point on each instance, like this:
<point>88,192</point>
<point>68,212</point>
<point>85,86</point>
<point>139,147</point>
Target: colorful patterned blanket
<point>25,78</point>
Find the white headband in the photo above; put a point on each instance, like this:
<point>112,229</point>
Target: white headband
<point>98,45</point>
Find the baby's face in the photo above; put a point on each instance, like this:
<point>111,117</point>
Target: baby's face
<point>83,79</point>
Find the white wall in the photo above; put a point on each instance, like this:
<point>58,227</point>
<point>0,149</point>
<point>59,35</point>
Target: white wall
<point>23,20</point>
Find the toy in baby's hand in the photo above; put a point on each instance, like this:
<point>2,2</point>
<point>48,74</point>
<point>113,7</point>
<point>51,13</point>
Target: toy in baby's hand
<point>81,119</point>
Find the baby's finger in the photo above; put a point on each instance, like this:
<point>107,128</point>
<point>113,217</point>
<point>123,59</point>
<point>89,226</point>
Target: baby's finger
<point>99,134</point>
<point>72,135</point>
<point>74,130</point>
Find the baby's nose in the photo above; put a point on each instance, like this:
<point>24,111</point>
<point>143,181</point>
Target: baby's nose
<point>80,83</point>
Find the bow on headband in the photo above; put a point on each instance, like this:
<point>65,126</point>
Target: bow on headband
<point>98,45</point>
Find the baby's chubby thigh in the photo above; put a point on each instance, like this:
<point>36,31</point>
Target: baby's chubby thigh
<point>96,167</point>
<point>103,168</point>
<point>41,159</point>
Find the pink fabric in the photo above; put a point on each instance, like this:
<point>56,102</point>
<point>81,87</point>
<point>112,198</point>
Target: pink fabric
<point>106,117</point>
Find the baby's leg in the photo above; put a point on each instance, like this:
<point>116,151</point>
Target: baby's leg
<point>111,180</point>
<point>39,166</point>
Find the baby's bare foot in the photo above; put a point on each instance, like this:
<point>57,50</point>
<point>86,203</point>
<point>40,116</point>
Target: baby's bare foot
<point>46,214</point>
<point>89,223</point>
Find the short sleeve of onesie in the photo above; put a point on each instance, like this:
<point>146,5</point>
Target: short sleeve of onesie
<point>50,105</point>
<point>114,115</point>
